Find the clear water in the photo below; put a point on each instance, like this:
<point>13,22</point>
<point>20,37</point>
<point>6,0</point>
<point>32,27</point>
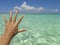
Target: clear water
<point>42,29</point>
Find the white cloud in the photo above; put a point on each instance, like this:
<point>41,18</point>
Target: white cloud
<point>41,9</point>
<point>31,9</point>
<point>26,7</point>
<point>56,10</point>
<point>53,10</point>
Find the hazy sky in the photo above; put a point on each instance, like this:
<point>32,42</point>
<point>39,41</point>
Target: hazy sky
<point>30,6</point>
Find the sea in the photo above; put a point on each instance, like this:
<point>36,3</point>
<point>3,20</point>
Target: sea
<point>41,29</point>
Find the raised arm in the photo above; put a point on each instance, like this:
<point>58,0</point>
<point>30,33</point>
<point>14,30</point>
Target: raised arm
<point>11,29</point>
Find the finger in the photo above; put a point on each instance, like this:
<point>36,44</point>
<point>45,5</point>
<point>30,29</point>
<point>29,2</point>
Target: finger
<point>20,20</point>
<point>15,16</point>
<point>4,17</point>
<point>10,16</point>
<point>0,37</point>
<point>22,30</point>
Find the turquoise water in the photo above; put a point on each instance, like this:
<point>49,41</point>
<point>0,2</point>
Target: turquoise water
<point>41,29</point>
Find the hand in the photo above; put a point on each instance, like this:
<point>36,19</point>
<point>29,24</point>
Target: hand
<point>12,25</point>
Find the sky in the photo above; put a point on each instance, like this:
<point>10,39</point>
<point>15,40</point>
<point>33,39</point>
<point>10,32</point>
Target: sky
<point>30,6</point>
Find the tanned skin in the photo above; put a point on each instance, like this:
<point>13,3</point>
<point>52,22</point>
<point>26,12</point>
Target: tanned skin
<point>11,29</point>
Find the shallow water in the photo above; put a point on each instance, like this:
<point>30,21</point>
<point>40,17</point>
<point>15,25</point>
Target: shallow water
<point>42,29</point>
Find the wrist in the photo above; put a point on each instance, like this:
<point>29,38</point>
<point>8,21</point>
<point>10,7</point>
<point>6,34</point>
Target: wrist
<point>5,39</point>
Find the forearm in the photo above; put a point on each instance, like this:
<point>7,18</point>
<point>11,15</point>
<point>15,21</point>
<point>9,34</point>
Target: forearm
<point>5,39</point>
<point>11,29</point>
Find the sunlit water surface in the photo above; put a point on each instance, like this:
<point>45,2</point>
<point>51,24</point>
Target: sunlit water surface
<point>41,29</point>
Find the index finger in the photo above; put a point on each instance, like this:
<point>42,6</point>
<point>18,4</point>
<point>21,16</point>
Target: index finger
<point>10,16</point>
<point>20,19</point>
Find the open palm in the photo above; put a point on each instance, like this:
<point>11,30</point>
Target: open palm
<point>12,25</point>
<point>11,29</point>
